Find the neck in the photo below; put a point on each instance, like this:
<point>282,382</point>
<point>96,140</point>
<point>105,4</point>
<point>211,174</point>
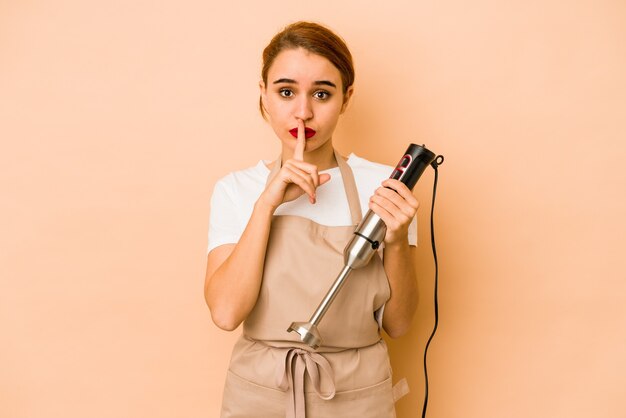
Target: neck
<point>322,157</point>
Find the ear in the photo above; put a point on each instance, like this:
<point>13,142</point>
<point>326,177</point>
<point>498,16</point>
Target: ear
<point>346,99</point>
<point>263,90</point>
<point>263,95</point>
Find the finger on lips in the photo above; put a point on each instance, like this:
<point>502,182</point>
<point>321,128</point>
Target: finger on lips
<point>298,153</point>
<point>308,177</point>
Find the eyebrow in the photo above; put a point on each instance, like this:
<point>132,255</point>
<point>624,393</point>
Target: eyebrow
<point>317,83</point>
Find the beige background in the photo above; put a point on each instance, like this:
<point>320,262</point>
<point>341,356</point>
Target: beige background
<point>116,119</point>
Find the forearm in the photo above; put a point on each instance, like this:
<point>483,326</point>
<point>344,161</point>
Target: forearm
<point>400,308</point>
<point>232,289</point>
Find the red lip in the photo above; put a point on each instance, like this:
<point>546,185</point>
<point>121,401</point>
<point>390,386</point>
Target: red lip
<point>308,132</point>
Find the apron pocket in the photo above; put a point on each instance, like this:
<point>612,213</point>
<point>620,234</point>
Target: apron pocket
<point>374,401</point>
<point>245,399</point>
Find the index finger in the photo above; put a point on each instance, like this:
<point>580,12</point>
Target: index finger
<point>398,187</point>
<point>298,152</point>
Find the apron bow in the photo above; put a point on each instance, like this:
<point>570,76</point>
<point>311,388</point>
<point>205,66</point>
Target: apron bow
<point>291,377</point>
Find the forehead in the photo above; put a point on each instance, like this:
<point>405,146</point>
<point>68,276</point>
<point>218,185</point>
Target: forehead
<point>302,66</point>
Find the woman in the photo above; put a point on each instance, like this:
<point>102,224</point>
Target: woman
<point>276,237</point>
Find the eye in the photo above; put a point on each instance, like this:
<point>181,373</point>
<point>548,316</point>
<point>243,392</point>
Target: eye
<point>321,95</point>
<point>285,92</point>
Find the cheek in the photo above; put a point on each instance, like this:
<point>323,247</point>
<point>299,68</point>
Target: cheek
<point>278,109</point>
<point>272,115</point>
<point>330,115</point>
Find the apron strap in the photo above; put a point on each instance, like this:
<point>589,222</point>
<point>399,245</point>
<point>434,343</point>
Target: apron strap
<point>400,389</point>
<point>349,185</point>
<point>352,192</point>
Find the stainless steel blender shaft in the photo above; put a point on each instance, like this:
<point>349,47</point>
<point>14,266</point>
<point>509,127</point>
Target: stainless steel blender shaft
<point>358,252</point>
<point>308,330</point>
<point>330,296</point>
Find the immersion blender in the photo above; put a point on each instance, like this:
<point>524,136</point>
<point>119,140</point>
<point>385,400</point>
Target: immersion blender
<point>368,236</point>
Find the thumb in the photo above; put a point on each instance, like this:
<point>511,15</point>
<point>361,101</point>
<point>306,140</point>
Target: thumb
<point>324,178</point>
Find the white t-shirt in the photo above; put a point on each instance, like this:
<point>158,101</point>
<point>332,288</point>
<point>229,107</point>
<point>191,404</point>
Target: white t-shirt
<point>236,193</point>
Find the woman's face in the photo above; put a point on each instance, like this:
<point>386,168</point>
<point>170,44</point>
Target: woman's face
<point>303,85</point>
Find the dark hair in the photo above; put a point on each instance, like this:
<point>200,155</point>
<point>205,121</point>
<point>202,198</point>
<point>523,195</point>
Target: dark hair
<point>314,38</point>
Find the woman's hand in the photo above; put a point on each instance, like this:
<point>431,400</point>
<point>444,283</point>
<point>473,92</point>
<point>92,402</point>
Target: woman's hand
<point>295,177</point>
<point>396,206</point>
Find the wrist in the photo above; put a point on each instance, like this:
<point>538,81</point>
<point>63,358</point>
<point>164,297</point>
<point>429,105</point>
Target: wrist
<point>397,244</point>
<point>264,208</point>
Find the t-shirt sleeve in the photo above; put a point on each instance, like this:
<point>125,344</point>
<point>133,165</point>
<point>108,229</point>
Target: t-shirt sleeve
<point>224,222</point>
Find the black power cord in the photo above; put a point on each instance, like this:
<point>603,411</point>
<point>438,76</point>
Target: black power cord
<point>435,164</point>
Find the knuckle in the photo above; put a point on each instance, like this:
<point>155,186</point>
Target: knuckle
<point>394,225</point>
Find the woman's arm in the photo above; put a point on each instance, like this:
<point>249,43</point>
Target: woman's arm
<point>235,271</point>
<point>400,270</point>
<point>397,206</point>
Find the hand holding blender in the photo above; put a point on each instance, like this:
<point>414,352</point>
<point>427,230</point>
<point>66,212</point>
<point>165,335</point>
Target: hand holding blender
<point>367,238</point>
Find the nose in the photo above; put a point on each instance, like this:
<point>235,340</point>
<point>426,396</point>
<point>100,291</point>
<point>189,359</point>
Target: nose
<point>304,108</point>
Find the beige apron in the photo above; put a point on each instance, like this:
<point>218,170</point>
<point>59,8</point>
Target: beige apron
<point>273,374</point>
